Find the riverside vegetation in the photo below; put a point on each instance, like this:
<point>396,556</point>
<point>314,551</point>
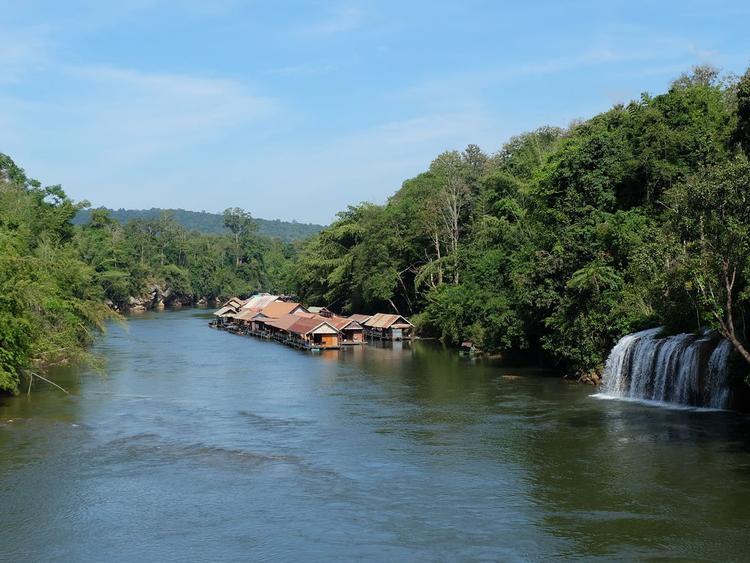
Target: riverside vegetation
<point>566,239</point>
<point>558,244</point>
<point>59,282</point>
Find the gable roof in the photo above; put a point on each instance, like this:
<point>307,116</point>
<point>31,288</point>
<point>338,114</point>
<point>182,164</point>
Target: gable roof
<point>280,308</point>
<point>305,326</point>
<point>359,318</point>
<point>384,320</point>
<point>245,314</point>
<point>284,322</point>
<point>225,311</point>
<point>260,301</point>
<point>344,323</point>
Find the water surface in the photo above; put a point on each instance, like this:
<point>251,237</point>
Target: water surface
<point>201,445</point>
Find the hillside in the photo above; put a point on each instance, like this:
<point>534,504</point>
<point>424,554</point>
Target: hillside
<point>211,223</point>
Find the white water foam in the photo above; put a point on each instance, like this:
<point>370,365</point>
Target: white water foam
<point>680,371</point>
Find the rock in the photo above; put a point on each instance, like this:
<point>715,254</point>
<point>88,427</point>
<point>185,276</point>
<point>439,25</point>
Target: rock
<point>591,378</point>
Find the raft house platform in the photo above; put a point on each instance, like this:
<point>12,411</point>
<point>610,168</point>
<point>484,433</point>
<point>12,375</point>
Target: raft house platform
<point>274,317</point>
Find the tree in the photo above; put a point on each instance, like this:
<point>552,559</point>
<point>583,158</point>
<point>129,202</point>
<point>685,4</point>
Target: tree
<point>452,201</point>
<point>742,130</point>
<point>710,212</point>
<point>240,223</point>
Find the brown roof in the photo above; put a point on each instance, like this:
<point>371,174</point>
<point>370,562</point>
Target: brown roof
<point>245,314</point>
<point>282,323</point>
<point>306,314</point>
<point>306,326</point>
<point>279,308</point>
<point>344,323</point>
<point>359,318</point>
<point>384,320</point>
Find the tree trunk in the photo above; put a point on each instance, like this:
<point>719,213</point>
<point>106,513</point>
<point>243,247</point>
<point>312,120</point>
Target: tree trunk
<point>727,325</point>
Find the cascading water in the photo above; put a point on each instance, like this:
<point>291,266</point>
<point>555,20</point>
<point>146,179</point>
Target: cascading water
<point>684,369</point>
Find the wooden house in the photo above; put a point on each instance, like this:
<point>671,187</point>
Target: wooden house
<point>260,322</point>
<point>224,315</point>
<point>352,332</point>
<point>388,327</point>
<point>305,332</point>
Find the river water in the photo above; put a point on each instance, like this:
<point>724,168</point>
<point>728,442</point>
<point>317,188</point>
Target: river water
<point>199,445</point>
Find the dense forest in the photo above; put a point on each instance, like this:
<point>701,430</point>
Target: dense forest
<point>207,223</point>
<point>59,282</point>
<point>565,239</point>
<point>557,245</point>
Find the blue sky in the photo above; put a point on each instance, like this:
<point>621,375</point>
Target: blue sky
<point>295,110</point>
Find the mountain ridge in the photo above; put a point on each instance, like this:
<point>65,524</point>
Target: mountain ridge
<point>209,223</point>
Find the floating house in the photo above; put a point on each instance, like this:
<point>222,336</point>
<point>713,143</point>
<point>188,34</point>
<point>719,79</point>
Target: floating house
<point>313,328</point>
<point>388,327</point>
<point>352,333</point>
<point>305,332</point>
<point>224,314</point>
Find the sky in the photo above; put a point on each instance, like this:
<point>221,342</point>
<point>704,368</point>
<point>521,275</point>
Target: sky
<point>295,110</point>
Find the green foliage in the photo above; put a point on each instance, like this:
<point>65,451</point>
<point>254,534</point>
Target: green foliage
<point>49,298</point>
<point>131,259</point>
<point>207,223</point>
<point>710,213</point>
<point>55,278</point>
<point>564,240</point>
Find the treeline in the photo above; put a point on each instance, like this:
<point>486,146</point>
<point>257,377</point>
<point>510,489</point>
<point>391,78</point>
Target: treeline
<point>208,223</point>
<point>159,259</point>
<point>57,279</point>
<point>49,298</point>
<point>565,239</point>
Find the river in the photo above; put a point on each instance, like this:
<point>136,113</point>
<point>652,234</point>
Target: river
<point>199,445</point>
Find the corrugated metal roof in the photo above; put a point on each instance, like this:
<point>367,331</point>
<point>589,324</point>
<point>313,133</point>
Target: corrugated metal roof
<point>282,323</point>
<point>260,301</point>
<point>384,320</point>
<point>305,326</point>
<point>280,308</point>
<point>245,314</point>
<point>344,323</point>
<point>306,314</point>
<point>224,310</point>
<point>359,318</point>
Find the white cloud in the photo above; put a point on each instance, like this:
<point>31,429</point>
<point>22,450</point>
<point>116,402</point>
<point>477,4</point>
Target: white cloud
<point>130,116</point>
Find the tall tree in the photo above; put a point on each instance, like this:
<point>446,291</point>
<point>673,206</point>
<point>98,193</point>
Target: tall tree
<point>240,223</point>
<point>711,213</point>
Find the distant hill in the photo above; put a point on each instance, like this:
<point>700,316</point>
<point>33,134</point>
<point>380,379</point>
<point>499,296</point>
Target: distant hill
<point>212,223</point>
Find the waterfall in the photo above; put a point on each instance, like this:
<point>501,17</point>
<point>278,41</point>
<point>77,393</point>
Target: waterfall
<point>683,369</point>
